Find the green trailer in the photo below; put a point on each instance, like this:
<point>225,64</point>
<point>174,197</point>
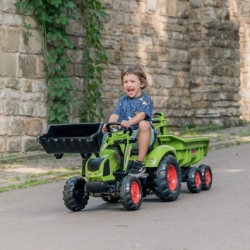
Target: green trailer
<point>107,157</point>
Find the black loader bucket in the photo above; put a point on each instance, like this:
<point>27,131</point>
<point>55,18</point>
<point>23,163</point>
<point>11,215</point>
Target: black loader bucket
<point>72,138</point>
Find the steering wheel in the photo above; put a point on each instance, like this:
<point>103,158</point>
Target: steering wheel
<point>116,126</point>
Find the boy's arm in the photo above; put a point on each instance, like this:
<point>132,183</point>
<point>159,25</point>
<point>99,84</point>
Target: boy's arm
<point>113,118</point>
<point>135,120</point>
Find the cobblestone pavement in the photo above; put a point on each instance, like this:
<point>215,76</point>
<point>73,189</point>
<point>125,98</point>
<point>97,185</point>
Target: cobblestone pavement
<point>42,167</point>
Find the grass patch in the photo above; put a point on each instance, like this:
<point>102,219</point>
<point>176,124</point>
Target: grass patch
<point>31,182</point>
<point>242,133</point>
<point>199,130</point>
<point>16,178</point>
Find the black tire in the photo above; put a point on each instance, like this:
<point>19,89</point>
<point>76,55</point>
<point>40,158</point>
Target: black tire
<point>110,199</point>
<point>131,193</point>
<point>74,195</point>
<point>206,176</point>
<point>194,182</point>
<point>167,179</point>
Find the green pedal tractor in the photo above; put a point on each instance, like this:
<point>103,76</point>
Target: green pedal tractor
<point>107,158</point>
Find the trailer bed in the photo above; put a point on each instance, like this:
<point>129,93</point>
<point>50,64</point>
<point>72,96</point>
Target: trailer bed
<point>188,150</point>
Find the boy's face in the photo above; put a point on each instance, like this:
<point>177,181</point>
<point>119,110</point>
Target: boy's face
<point>132,85</point>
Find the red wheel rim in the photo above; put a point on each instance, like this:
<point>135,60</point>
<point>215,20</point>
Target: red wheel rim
<point>172,178</point>
<point>135,192</point>
<point>207,177</point>
<point>197,179</point>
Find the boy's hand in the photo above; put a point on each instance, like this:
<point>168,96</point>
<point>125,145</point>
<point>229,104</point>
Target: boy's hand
<point>104,128</point>
<point>126,124</point>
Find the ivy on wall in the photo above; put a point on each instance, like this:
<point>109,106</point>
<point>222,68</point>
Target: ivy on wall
<point>53,17</point>
<point>95,56</point>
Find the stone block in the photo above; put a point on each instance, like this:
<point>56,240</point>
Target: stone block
<point>11,107</point>
<point>74,28</point>
<point>8,64</point>
<point>196,3</point>
<point>16,126</point>
<point>75,56</point>
<point>41,69</point>
<point>9,6</point>
<point>12,20</point>
<point>26,85</point>
<point>14,144</point>
<point>212,3</point>
<point>119,18</point>
<point>39,85</point>
<point>164,81</point>
<point>27,108</point>
<point>31,144</point>
<point>78,70</point>
<point>2,101</point>
<point>31,20</point>
<point>151,6</point>
<point>28,65</point>
<point>41,110</point>
<point>183,9</point>
<point>10,39</point>
<point>172,8</point>
<point>35,42</point>
<point>2,144</point>
<point>200,105</point>
<point>33,127</point>
<point>4,123</point>
<point>209,13</point>
<point>162,11</point>
<point>12,83</point>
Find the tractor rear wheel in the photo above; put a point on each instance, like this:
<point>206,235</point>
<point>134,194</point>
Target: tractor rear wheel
<point>206,176</point>
<point>131,193</point>
<point>194,182</point>
<point>167,179</point>
<point>74,195</point>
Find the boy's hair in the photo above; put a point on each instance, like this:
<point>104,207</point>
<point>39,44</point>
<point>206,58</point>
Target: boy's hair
<point>135,70</point>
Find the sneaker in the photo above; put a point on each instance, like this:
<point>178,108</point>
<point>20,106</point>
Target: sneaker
<point>137,169</point>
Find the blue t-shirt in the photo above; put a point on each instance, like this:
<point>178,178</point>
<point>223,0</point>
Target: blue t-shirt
<point>127,108</point>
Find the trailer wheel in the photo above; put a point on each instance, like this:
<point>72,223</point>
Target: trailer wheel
<point>206,176</point>
<point>110,199</point>
<point>194,182</point>
<point>74,195</point>
<point>167,179</point>
<point>131,193</point>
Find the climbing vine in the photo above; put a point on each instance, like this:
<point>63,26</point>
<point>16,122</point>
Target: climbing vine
<point>95,57</point>
<point>53,17</point>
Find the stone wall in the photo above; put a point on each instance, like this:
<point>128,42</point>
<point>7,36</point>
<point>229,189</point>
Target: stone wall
<point>215,68</point>
<point>240,13</point>
<point>190,50</point>
<point>23,97</point>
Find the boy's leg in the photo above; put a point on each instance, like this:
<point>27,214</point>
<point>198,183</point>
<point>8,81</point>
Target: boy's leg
<point>144,135</point>
<point>143,139</point>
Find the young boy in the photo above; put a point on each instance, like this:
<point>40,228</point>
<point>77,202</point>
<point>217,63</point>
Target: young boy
<point>135,110</point>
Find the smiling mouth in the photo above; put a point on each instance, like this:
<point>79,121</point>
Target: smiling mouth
<point>130,90</point>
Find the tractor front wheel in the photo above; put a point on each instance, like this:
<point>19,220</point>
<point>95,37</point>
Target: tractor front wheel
<point>74,195</point>
<point>194,182</point>
<point>167,179</point>
<point>131,193</point>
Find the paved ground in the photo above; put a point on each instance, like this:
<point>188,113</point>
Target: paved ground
<point>218,219</point>
<point>42,167</point>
